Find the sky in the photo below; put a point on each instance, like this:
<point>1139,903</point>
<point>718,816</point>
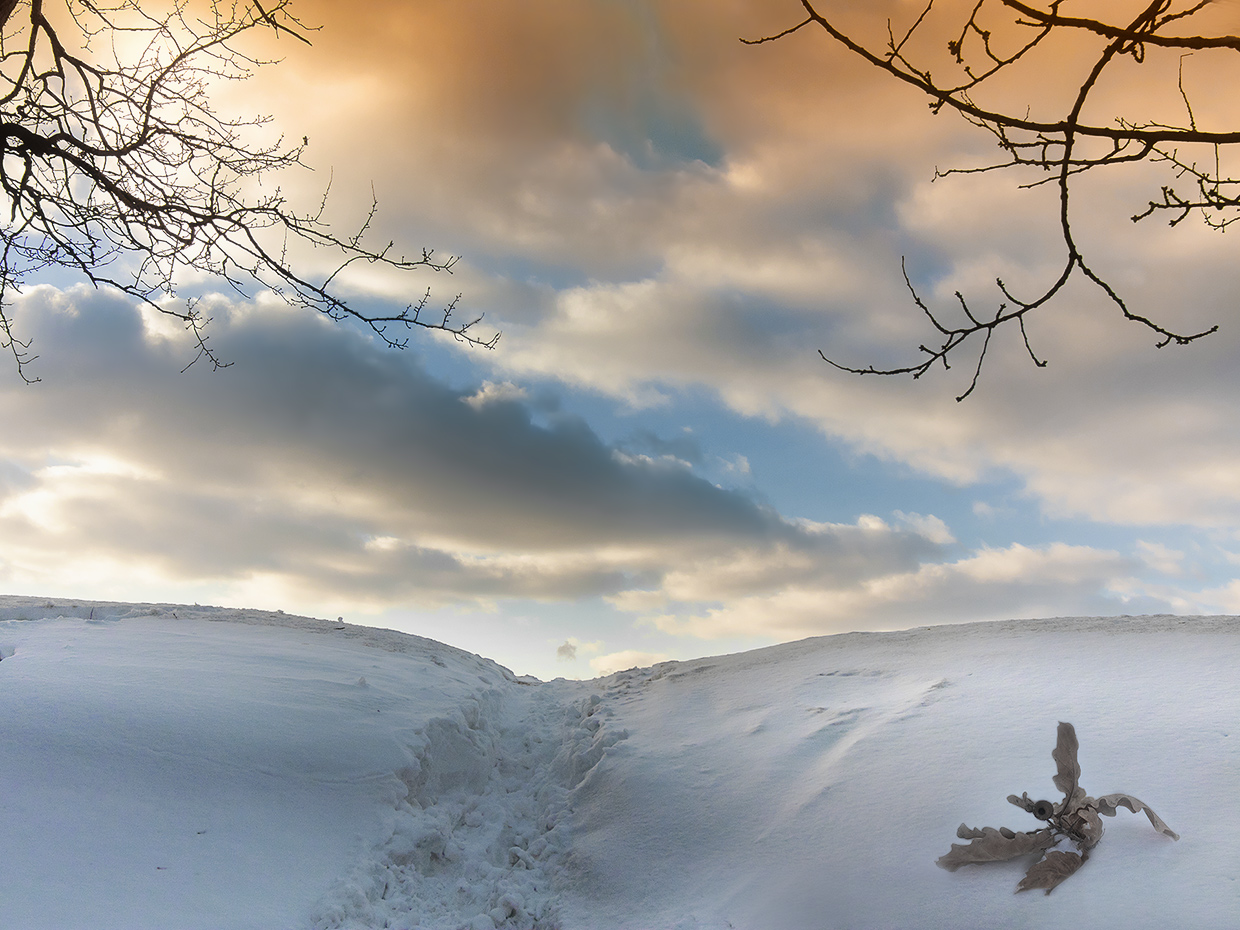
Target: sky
<point>665,225</point>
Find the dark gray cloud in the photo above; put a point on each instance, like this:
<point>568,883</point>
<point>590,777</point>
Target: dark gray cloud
<point>307,404</point>
<point>322,457</point>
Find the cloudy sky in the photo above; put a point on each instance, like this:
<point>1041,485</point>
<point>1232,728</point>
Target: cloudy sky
<point>665,225</point>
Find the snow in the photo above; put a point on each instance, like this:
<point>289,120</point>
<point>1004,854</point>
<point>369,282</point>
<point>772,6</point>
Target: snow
<point>169,767</point>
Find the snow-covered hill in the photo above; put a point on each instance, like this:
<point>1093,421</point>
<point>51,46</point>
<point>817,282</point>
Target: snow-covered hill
<point>169,767</point>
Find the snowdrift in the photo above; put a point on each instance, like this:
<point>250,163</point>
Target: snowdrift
<point>170,767</point>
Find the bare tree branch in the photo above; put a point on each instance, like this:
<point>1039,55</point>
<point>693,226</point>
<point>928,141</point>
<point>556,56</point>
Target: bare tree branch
<point>115,165</point>
<point>999,36</point>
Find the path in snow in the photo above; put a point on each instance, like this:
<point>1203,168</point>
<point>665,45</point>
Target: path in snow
<point>160,770</point>
<point>481,836</point>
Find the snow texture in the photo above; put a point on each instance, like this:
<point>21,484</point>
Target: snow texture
<point>194,767</point>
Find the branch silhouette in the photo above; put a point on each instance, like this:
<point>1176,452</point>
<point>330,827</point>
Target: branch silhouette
<point>114,165</point>
<point>998,37</point>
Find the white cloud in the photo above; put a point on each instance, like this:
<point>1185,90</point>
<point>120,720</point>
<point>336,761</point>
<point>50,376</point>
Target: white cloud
<point>984,510</point>
<point>625,659</point>
<point>988,584</point>
<point>492,393</point>
<point>1223,599</point>
<point>929,526</point>
<point>736,464</point>
<point>1160,558</point>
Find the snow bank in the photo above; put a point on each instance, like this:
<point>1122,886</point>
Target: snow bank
<point>814,784</point>
<point>268,771</point>
<point>164,771</point>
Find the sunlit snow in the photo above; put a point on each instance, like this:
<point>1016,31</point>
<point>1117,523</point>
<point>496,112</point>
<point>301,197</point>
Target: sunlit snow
<point>173,768</point>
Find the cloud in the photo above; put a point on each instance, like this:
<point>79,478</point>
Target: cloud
<point>625,659</point>
<point>737,465</point>
<point>931,527</point>
<point>1160,558</point>
<point>567,651</point>
<point>324,469</point>
<point>1015,581</point>
<point>649,211</point>
<point>641,277</point>
<point>682,448</point>
<point>492,393</point>
<point>985,510</point>
<point>323,466</point>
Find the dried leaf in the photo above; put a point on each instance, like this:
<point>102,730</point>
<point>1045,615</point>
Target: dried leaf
<point>1049,872</point>
<point>1087,824</point>
<point>1110,803</point>
<point>990,845</point>
<point>1064,755</point>
<point>1076,819</point>
<point>1024,802</point>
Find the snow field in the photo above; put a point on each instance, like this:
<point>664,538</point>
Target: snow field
<point>814,784</point>
<point>267,772</point>
<point>164,772</point>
